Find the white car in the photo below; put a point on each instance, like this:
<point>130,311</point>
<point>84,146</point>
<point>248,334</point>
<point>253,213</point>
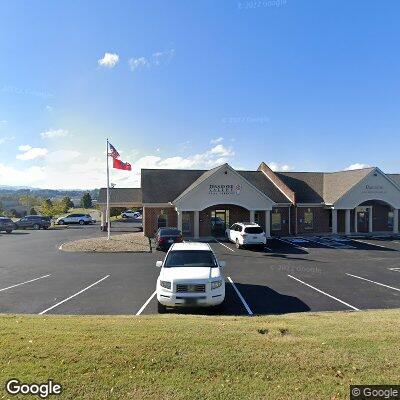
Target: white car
<point>190,276</point>
<point>246,234</point>
<point>131,214</point>
<point>81,219</point>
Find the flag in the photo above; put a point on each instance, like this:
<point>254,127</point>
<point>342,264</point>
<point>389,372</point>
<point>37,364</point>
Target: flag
<point>114,153</point>
<point>118,164</point>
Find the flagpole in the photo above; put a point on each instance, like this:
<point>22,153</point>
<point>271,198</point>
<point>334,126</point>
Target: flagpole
<point>108,196</point>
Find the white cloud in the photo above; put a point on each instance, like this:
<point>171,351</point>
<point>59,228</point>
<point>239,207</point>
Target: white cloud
<point>3,122</point>
<point>356,166</point>
<point>68,169</point>
<point>158,58</point>
<point>62,156</point>
<point>221,150</point>
<point>163,56</point>
<point>135,63</point>
<point>280,167</point>
<point>30,153</point>
<point>54,133</point>
<point>15,177</point>
<point>110,60</point>
<point>49,108</point>
<point>5,139</point>
<point>217,140</point>
<point>24,147</point>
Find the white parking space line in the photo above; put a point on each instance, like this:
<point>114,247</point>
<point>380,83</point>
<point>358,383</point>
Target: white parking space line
<point>291,243</point>
<point>326,294</point>
<point>371,244</point>
<point>224,245</point>
<point>376,283</point>
<point>74,295</point>
<point>146,303</point>
<point>23,283</point>
<point>246,306</point>
<point>394,269</point>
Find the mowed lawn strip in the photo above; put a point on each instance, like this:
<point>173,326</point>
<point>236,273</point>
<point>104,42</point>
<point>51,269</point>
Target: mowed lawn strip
<point>296,356</point>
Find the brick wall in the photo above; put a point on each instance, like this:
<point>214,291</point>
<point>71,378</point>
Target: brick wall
<point>320,220</point>
<point>151,218</point>
<point>284,231</point>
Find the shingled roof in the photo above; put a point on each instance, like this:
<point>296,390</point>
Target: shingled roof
<point>165,185</point>
<point>121,196</point>
<point>322,187</point>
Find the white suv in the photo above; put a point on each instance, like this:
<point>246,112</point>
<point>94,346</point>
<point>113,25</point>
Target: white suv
<point>81,219</point>
<point>190,276</point>
<point>246,233</point>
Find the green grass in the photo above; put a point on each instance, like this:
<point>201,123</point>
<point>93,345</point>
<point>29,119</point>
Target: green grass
<point>297,356</point>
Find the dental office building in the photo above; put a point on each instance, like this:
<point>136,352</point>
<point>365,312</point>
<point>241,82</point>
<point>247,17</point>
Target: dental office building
<point>202,203</point>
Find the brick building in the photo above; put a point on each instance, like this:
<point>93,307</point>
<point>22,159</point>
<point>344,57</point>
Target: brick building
<point>203,203</point>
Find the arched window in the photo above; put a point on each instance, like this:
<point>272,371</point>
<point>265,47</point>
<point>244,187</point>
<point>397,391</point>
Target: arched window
<point>162,221</point>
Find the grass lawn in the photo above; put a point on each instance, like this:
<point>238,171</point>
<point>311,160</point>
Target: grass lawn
<point>297,356</point>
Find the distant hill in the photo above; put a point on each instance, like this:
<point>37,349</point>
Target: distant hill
<point>14,192</point>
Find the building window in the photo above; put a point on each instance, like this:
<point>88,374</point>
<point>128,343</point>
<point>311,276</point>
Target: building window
<point>390,219</point>
<point>308,219</point>
<point>161,221</point>
<point>186,223</point>
<point>257,217</point>
<point>276,221</point>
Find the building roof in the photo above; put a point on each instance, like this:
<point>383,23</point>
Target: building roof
<point>166,185</point>
<point>336,184</point>
<point>126,196</point>
<point>322,187</point>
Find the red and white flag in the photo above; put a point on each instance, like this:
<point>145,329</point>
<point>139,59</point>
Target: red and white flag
<point>118,164</point>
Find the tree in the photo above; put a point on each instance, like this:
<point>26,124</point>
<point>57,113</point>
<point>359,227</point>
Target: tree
<point>86,201</point>
<point>66,204</point>
<point>1,208</point>
<point>47,208</point>
<point>32,211</point>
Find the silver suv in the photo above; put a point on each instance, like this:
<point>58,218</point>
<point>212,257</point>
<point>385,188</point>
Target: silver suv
<point>81,219</point>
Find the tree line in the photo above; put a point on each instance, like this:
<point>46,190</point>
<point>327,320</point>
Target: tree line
<point>47,207</point>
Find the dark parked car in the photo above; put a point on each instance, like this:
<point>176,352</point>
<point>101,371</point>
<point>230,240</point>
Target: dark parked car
<point>34,221</point>
<point>165,237</point>
<point>6,225</point>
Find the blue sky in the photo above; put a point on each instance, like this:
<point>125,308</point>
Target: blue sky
<point>299,84</point>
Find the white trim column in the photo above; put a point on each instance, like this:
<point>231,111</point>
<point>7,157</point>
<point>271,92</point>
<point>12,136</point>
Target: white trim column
<point>252,216</point>
<point>268,223</point>
<point>347,222</point>
<point>334,222</point>
<point>103,218</point>
<point>196,227</point>
<point>395,220</point>
<point>179,220</point>
<point>355,220</point>
<point>370,220</point>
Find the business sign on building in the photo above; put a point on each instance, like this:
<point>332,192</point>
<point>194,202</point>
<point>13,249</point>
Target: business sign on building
<point>225,190</point>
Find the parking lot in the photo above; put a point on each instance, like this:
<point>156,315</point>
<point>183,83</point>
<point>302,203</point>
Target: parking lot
<point>291,275</point>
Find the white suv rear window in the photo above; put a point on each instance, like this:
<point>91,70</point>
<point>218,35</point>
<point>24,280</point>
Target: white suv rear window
<point>253,230</point>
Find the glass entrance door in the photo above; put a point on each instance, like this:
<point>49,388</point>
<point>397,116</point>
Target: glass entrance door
<point>219,222</point>
<point>363,220</point>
